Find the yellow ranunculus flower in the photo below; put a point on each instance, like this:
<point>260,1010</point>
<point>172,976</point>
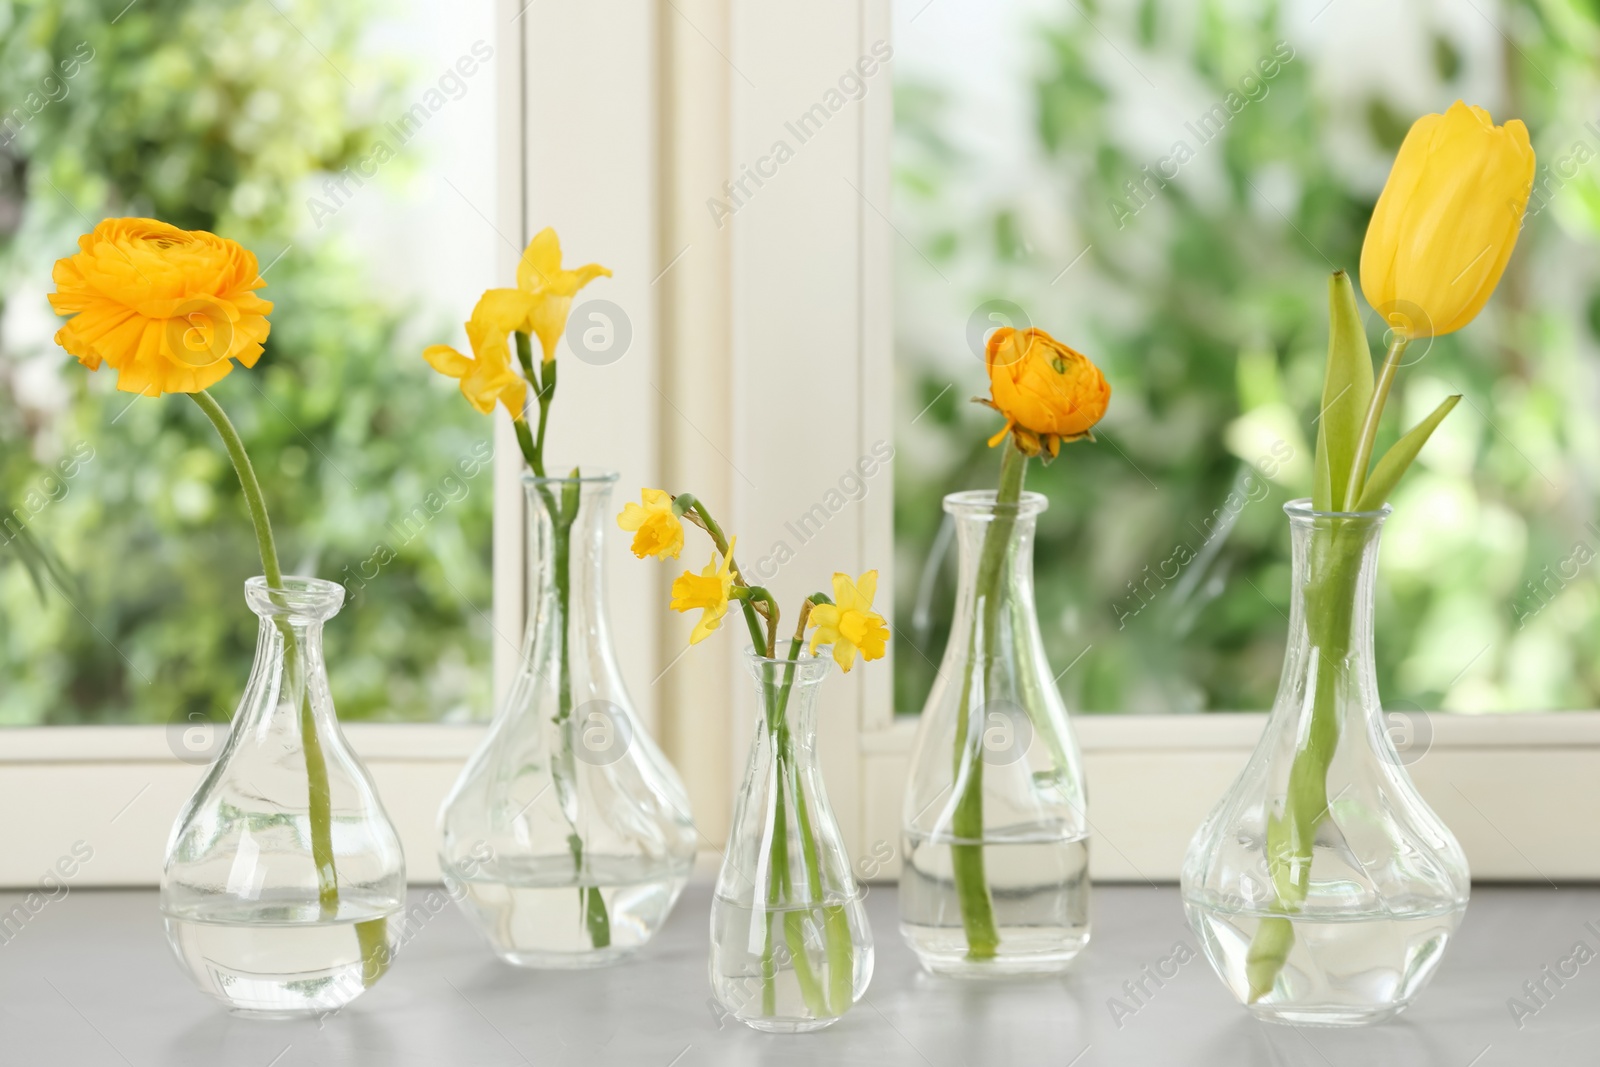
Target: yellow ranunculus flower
<point>709,591</point>
<point>1048,392</point>
<point>849,624</point>
<point>488,378</point>
<point>656,528</point>
<point>169,309</point>
<point>550,288</point>
<point>1447,220</point>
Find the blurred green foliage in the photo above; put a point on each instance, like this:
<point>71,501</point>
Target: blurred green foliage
<point>216,115</point>
<point>1163,560</point>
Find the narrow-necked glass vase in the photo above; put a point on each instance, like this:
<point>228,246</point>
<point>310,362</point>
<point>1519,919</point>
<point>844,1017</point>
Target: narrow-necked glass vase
<point>995,880</point>
<point>568,834</point>
<point>1322,887</point>
<point>791,950</point>
<point>283,874</point>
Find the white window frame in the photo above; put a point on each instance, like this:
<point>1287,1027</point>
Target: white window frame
<point>760,371</point>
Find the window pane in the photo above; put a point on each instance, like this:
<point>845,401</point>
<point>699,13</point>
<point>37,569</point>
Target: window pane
<point>351,147</point>
<point>1167,187</point>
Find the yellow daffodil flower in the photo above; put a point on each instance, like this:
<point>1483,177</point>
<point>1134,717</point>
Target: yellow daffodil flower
<point>168,309</point>
<point>849,624</point>
<point>709,591</point>
<point>656,528</point>
<point>1447,220</point>
<point>487,378</point>
<point>1048,392</point>
<point>550,288</point>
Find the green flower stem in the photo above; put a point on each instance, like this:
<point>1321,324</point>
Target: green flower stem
<point>1330,597</point>
<point>966,823</point>
<point>684,503</point>
<point>371,934</point>
<point>791,790</point>
<point>563,513</point>
<point>544,391</point>
<point>1369,426</point>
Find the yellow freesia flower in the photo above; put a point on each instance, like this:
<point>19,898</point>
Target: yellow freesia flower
<point>1447,220</point>
<point>709,591</point>
<point>1048,392</point>
<point>849,624</point>
<point>656,528</point>
<point>169,309</point>
<point>487,378</point>
<point>550,288</point>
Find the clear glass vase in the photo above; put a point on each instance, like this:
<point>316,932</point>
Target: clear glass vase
<point>995,879</point>
<point>283,872</point>
<point>568,836</point>
<point>1322,888</point>
<point>790,947</point>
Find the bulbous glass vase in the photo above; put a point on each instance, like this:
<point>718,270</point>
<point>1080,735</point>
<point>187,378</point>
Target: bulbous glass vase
<point>568,836</point>
<point>1323,888</point>
<point>790,946</point>
<point>995,880</point>
<point>283,873</point>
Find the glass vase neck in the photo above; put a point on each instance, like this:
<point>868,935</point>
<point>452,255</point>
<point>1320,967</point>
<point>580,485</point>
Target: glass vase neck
<point>1333,582</point>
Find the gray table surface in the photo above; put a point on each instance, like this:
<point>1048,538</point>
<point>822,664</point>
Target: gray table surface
<point>89,981</point>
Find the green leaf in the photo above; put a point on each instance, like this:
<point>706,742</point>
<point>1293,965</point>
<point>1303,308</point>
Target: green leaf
<point>1346,392</point>
<point>1321,480</point>
<point>1386,475</point>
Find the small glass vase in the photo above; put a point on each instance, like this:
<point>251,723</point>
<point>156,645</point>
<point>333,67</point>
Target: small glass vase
<point>1322,887</point>
<point>995,880</point>
<point>283,872</point>
<point>568,834</point>
<point>791,950</point>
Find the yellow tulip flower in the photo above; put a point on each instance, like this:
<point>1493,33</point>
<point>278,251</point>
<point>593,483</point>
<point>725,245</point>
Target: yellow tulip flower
<point>709,591</point>
<point>849,624</point>
<point>541,277</point>
<point>656,528</point>
<point>1446,221</point>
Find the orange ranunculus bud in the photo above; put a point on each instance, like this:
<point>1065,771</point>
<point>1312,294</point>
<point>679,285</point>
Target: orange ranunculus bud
<point>1447,220</point>
<point>1048,392</point>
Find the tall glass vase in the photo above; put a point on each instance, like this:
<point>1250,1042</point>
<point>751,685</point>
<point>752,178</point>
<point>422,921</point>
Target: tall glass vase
<point>791,950</point>
<point>1322,887</point>
<point>568,832</point>
<point>995,880</point>
<point>283,872</point>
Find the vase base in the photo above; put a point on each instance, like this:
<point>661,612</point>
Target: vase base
<point>568,961</point>
<point>789,1026</point>
<point>1024,952</point>
<point>1340,1017</point>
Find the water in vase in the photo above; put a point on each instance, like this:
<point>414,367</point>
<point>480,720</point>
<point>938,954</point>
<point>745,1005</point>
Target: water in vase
<point>541,915</point>
<point>1039,887</point>
<point>1342,968</point>
<point>284,960</point>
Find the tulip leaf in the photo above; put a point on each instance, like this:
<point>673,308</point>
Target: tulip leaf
<point>1321,480</point>
<point>1386,475</point>
<point>1346,393</point>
